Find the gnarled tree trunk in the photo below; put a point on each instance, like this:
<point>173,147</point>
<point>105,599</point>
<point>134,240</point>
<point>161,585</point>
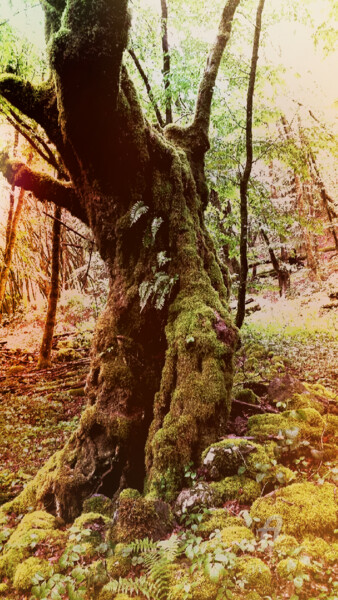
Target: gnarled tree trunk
<point>161,372</point>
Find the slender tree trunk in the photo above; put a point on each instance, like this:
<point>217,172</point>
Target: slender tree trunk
<point>166,63</point>
<point>159,386</point>
<point>47,340</point>
<point>244,181</point>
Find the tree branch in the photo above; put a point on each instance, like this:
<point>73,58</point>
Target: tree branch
<point>206,88</point>
<point>36,102</point>
<point>148,87</point>
<point>43,186</point>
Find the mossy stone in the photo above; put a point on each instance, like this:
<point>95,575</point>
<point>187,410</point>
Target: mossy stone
<point>97,524</point>
<point>27,569</point>
<point>309,423</point>
<point>284,545</point>
<point>129,493</point>
<point>237,487</point>
<point>306,509</point>
<point>137,518</point>
<point>224,458</point>
<point>255,573</point>
<point>98,503</point>
<point>218,518</point>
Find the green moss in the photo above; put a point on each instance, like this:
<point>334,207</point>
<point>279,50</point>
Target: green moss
<point>193,587</point>
<point>306,509</point>
<point>129,493</point>
<point>247,395</point>
<point>66,354</point>
<point>291,567</point>
<point>218,518</point>
<point>235,533</point>
<point>320,549</point>
<point>255,573</point>
<point>284,545</point>
<point>96,523</point>
<point>237,487</point>
<point>118,565</point>
<point>308,421</point>
<point>11,559</point>
<point>225,457</point>
<point>99,504</point>
<point>3,588</point>
<point>25,572</point>
<point>138,518</point>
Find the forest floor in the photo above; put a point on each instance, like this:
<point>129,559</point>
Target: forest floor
<point>293,341</point>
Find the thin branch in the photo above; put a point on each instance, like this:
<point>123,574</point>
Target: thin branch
<point>148,87</point>
<point>70,229</point>
<point>206,88</point>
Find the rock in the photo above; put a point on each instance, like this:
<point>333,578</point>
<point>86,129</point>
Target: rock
<point>139,517</point>
<point>304,509</point>
<point>201,495</point>
<point>226,457</point>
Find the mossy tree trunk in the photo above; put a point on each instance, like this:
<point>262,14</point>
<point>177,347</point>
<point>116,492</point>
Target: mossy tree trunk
<point>160,378</point>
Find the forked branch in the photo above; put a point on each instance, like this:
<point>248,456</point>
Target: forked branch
<point>206,88</point>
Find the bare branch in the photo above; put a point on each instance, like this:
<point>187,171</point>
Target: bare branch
<point>206,88</point>
<point>43,186</point>
<point>148,87</point>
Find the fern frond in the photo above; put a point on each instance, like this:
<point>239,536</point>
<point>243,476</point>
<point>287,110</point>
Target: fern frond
<point>137,211</point>
<point>155,225</point>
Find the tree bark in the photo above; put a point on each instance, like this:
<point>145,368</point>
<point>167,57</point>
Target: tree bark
<point>47,340</point>
<point>161,373</point>
<point>245,177</point>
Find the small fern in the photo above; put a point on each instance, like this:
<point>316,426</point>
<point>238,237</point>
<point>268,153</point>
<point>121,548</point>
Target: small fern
<point>137,211</point>
<point>162,258</point>
<point>156,558</point>
<point>155,225</point>
<point>157,289</point>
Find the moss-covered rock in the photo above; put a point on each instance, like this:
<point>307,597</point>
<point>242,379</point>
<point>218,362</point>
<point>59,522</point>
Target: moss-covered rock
<point>194,587</point>
<point>137,518</point>
<point>306,509</point>
<point>247,395</point>
<point>27,569</point>
<point>234,534</point>
<point>11,559</point>
<point>237,487</point>
<point>201,495</point>
<point>95,525</point>
<point>218,518</point>
<point>255,574</point>
<point>120,563</point>
<point>99,504</point>
<point>309,424</point>
<point>129,493</point>
<point>224,458</point>
<point>284,545</point>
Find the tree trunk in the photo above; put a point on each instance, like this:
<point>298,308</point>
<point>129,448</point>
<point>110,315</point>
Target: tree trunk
<point>245,177</point>
<point>161,372</point>
<point>47,340</point>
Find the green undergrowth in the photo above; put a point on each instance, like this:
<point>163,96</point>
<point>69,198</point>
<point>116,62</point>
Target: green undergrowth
<point>269,531</point>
